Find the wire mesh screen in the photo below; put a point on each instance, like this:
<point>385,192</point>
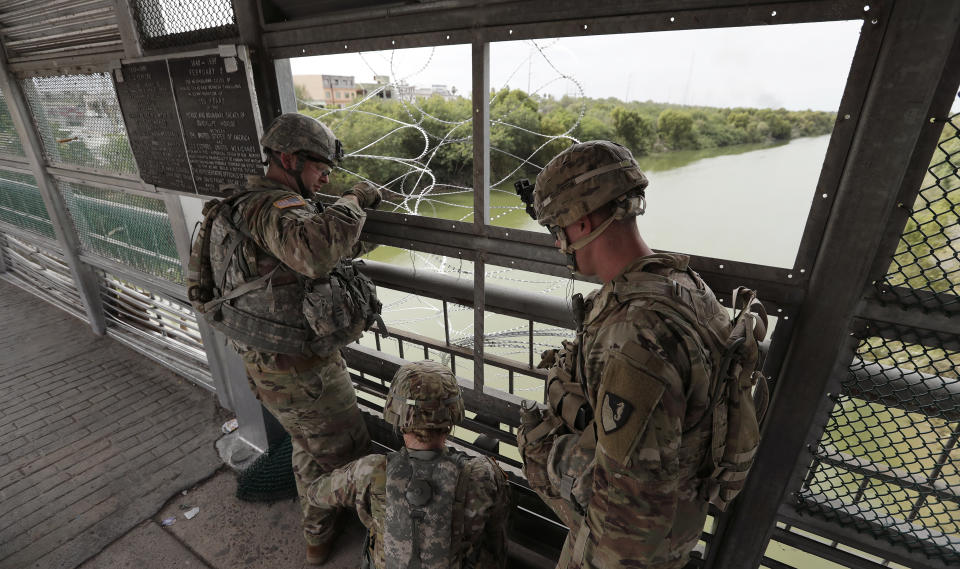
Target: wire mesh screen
<point>183,22</point>
<point>41,272</point>
<point>21,204</point>
<point>132,229</point>
<point>79,121</point>
<point>162,329</point>
<point>9,139</point>
<point>926,266</point>
<point>888,462</point>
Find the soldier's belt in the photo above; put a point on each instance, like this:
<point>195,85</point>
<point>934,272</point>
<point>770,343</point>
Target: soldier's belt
<point>286,362</point>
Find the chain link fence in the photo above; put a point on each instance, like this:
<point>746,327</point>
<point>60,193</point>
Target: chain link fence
<point>80,123</point>
<point>888,462</point>
<point>22,205</point>
<point>183,22</point>
<point>926,267</point>
<point>132,229</point>
<point>9,139</point>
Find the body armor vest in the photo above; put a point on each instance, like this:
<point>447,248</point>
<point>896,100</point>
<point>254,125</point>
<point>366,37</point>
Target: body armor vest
<point>424,514</point>
<point>256,300</point>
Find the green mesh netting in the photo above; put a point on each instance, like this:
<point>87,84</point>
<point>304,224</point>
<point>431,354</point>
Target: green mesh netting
<point>270,477</point>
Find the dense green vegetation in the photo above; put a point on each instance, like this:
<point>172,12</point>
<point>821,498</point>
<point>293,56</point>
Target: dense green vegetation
<point>527,130</point>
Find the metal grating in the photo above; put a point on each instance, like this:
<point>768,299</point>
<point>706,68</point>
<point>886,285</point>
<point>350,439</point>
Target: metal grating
<point>926,266</point>
<point>41,272</point>
<point>132,229</point>
<point>175,23</point>
<point>9,138</point>
<point>22,205</point>
<point>888,462</point>
<point>58,28</point>
<point>162,329</point>
<point>79,121</point>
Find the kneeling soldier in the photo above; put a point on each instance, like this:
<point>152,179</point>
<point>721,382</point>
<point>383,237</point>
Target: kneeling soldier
<point>427,505</point>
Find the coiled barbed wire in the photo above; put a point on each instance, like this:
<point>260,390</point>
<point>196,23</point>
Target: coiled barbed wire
<point>416,191</point>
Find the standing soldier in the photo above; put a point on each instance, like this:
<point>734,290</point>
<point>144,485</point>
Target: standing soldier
<point>623,451</point>
<point>425,506</point>
<point>268,269</point>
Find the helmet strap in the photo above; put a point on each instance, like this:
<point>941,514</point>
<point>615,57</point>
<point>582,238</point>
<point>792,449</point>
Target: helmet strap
<point>587,239</point>
<point>297,173</point>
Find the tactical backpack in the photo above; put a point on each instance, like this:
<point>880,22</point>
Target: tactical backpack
<point>336,310</point>
<point>424,526</point>
<point>739,394</point>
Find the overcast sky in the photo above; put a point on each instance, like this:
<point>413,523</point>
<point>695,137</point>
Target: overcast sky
<point>796,66</point>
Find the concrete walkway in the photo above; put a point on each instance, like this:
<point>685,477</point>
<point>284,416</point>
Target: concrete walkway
<point>98,445</point>
<point>94,438</point>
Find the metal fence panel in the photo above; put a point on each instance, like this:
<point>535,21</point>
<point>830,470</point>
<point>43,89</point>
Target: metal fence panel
<point>888,462</point>
<point>168,24</point>
<point>59,28</point>
<point>79,121</point>
<point>42,272</point>
<point>162,329</point>
<point>22,205</point>
<point>926,266</point>
<point>9,139</point>
<point>132,229</point>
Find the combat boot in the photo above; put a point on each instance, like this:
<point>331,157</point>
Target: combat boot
<point>318,554</point>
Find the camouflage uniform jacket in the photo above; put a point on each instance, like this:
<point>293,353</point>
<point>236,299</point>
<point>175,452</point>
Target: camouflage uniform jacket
<point>632,473</point>
<point>362,485</point>
<point>289,230</point>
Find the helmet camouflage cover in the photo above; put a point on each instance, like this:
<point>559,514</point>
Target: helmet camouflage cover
<point>585,177</point>
<point>423,395</point>
<point>294,133</point>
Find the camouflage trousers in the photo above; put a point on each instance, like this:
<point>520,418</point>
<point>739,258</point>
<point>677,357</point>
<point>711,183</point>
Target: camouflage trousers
<point>318,407</point>
<point>551,478</point>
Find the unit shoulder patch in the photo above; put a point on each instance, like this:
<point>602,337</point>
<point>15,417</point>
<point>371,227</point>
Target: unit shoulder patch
<point>615,412</point>
<point>292,201</point>
<point>627,398</point>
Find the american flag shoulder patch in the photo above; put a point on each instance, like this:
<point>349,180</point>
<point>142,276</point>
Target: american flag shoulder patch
<point>292,201</point>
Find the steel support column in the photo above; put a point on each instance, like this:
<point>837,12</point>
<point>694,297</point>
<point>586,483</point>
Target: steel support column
<point>264,72</point>
<point>87,282</point>
<point>226,367</point>
<point>127,26</point>
<point>3,262</point>
<point>915,49</point>
<point>481,194</point>
<point>288,96</point>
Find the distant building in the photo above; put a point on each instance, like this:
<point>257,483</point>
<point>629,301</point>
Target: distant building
<point>427,92</point>
<point>381,86</point>
<point>342,90</point>
<point>327,90</point>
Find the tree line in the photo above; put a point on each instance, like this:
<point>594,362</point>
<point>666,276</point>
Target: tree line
<point>527,130</point>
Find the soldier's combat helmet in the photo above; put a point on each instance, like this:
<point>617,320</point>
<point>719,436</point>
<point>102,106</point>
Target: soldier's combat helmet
<point>423,395</point>
<point>582,179</point>
<point>298,134</point>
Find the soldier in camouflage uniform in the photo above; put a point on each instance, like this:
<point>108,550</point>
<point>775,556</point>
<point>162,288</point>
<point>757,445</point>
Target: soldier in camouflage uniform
<point>293,244</point>
<point>427,505</point>
<point>618,452</point>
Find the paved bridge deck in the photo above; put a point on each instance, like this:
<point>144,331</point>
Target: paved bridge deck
<point>97,444</point>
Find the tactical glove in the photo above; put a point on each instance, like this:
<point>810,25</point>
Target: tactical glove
<point>367,194</point>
